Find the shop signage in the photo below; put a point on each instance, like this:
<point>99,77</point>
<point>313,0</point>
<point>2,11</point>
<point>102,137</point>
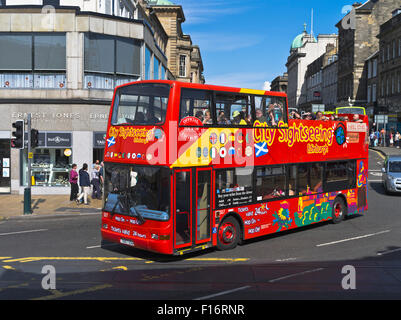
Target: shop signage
<point>99,139</point>
<point>58,139</point>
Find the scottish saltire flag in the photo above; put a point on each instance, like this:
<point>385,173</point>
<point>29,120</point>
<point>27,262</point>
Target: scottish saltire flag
<point>261,149</point>
<point>111,142</point>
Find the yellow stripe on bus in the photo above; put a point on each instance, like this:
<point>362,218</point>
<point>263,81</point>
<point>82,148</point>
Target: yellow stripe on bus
<point>252,91</point>
<point>194,154</point>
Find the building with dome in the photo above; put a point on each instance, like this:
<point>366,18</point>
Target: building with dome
<point>305,48</point>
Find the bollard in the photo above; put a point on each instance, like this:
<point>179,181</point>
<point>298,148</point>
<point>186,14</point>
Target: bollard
<point>27,201</point>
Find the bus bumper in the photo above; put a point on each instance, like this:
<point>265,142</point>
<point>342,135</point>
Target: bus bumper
<point>158,246</point>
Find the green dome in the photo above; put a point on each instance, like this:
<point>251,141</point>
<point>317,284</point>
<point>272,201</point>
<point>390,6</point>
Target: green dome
<point>161,3</point>
<point>298,41</point>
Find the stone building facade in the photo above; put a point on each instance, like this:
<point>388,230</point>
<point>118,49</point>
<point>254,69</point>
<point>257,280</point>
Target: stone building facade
<point>372,85</point>
<point>63,72</point>
<point>184,58</point>
<point>329,79</point>
<point>280,83</point>
<point>389,69</point>
<point>357,33</point>
<point>304,50</point>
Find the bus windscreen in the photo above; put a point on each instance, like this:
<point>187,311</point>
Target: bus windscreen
<point>140,104</point>
<point>351,110</point>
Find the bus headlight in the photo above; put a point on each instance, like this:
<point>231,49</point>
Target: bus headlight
<point>160,237</point>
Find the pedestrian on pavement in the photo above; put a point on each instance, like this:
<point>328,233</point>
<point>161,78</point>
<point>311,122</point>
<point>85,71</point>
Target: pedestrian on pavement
<point>372,139</point>
<point>85,184</point>
<point>101,173</point>
<point>74,183</point>
<point>97,162</point>
<point>397,140</point>
<point>97,192</point>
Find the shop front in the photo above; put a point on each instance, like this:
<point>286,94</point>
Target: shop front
<point>51,162</point>
<point>99,141</point>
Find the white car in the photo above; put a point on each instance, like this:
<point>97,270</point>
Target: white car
<point>391,177</point>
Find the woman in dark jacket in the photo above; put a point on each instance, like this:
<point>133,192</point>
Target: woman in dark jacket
<point>74,183</point>
<point>84,182</point>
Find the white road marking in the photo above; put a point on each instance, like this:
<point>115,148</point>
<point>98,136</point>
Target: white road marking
<point>93,247</point>
<point>286,259</point>
<point>354,238</point>
<point>19,232</point>
<point>387,252</point>
<point>222,293</point>
<point>296,274</point>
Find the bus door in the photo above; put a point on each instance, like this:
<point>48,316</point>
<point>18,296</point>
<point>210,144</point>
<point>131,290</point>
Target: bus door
<point>192,220</point>
<point>202,205</point>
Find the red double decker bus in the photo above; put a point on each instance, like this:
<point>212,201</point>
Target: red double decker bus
<point>190,166</point>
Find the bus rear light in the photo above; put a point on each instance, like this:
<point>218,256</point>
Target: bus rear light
<point>105,226</point>
<point>105,214</point>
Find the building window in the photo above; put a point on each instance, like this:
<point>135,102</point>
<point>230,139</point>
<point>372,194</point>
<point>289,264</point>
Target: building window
<point>164,73</point>
<point>148,60</point>
<point>399,47</point>
<point>156,67</point>
<point>394,49</point>
<point>388,52</point>
<point>33,60</point>
<point>182,66</point>
<point>374,99</point>
<point>110,61</point>
<point>374,71</point>
<point>392,85</point>
<point>370,69</point>
<point>369,94</point>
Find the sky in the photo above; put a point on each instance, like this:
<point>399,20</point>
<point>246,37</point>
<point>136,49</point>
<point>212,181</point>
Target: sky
<point>246,43</point>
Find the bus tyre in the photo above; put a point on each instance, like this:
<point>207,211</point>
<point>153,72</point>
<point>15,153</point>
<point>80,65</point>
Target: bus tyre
<point>339,210</point>
<point>228,234</point>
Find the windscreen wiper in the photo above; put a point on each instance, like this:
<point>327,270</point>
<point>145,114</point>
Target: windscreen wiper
<point>136,212</point>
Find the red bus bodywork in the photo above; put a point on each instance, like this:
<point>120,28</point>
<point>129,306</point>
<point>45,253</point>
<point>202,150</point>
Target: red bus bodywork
<point>193,149</point>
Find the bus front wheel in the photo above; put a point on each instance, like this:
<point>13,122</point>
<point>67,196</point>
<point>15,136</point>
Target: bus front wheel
<point>228,234</point>
<point>339,210</point>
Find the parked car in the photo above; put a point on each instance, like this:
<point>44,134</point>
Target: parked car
<point>391,177</point>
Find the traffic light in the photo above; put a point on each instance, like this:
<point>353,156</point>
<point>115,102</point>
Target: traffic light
<point>18,142</point>
<point>34,138</point>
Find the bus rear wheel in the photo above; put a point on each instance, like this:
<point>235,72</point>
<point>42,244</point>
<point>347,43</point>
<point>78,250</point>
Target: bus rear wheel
<point>228,234</point>
<point>339,210</point>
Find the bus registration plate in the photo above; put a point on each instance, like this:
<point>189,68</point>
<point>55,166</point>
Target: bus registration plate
<point>127,242</point>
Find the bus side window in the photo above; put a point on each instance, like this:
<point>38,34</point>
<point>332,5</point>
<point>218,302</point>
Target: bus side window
<point>292,181</point>
<point>233,108</point>
<point>316,177</point>
<point>196,103</point>
<point>302,179</point>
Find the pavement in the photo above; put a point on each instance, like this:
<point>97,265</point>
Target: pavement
<point>387,151</point>
<point>12,206</point>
